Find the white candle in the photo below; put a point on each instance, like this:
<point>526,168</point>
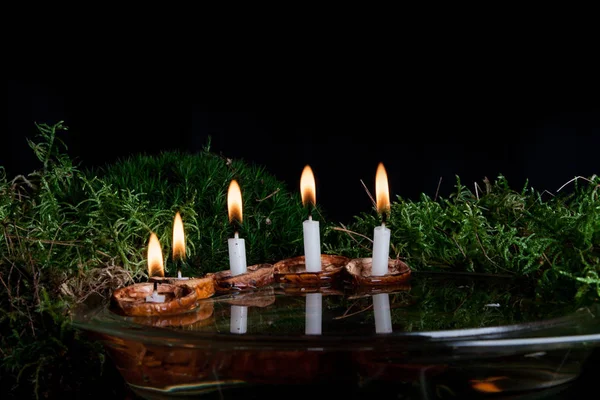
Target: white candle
<point>237,246</point>
<point>239,319</point>
<point>310,228</point>
<point>237,255</point>
<point>155,297</point>
<point>383,315</point>
<point>381,251</point>
<point>314,312</point>
<point>312,245</point>
<point>381,234</point>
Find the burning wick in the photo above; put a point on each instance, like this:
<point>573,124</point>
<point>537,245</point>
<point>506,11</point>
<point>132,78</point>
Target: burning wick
<point>237,246</point>
<point>381,234</point>
<point>155,268</point>
<point>178,244</point>
<point>310,228</point>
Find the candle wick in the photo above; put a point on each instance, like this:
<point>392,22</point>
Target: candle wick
<point>236,235</point>
<point>310,207</point>
<point>179,262</point>
<point>156,287</point>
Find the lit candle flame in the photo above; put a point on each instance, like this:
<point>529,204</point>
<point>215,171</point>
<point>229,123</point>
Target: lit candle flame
<point>234,202</point>
<point>307,187</point>
<point>155,257</point>
<point>178,238</point>
<point>382,190</point>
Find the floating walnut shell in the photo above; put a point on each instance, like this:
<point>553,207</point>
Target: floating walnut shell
<point>196,317</point>
<point>205,287</point>
<point>131,300</point>
<point>255,276</point>
<point>293,271</point>
<point>359,270</point>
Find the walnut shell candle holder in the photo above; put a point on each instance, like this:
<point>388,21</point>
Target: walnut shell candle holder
<point>256,276</point>
<point>204,287</point>
<point>131,300</point>
<point>292,271</point>
<point>359,271</point>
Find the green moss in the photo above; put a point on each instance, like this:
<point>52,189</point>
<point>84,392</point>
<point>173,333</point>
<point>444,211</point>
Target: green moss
<point>554,242</point>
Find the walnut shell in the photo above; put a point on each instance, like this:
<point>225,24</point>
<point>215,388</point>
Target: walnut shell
<point>292,271</point>
<point>131,300</point>
<point>255,276</point>
<point>359,270</point>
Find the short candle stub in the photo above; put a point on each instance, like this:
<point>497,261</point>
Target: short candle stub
<point>155,297</point>
<point>180,264</point>
<point>237,254</point>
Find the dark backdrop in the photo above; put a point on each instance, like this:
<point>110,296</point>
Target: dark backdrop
<point>424,137</point>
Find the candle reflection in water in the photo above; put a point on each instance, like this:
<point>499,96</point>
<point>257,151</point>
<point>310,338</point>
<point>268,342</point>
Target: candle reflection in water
<point>383,316</point>
<point>239,320</point>
<point>314,312</point>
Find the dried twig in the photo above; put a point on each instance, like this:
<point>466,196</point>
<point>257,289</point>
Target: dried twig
<point>454,240</point>
<point>355,313</point>
<point>438,189</point>
<point>546,257</point>
<point>351,233</point>
<point>346,315</point>
<point>271,195</point>
<point>25,180</point>
<point>486,256</point>
<point>369,194</point>
<point>52,242</point>
<point>476,191</point>
<point>574,179</point>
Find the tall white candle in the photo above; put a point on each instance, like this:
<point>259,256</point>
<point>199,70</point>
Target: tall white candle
<point>381,250</point>
<point>314,313</point>
<point>237,246</point>
<point>383,315</point>
<point>312,245</point>
<point>310,228</point>
<point>237,255</point>
<point>381,234</point>
<point>239,320</point>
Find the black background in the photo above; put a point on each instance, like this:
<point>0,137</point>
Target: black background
<point>425,136</point>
